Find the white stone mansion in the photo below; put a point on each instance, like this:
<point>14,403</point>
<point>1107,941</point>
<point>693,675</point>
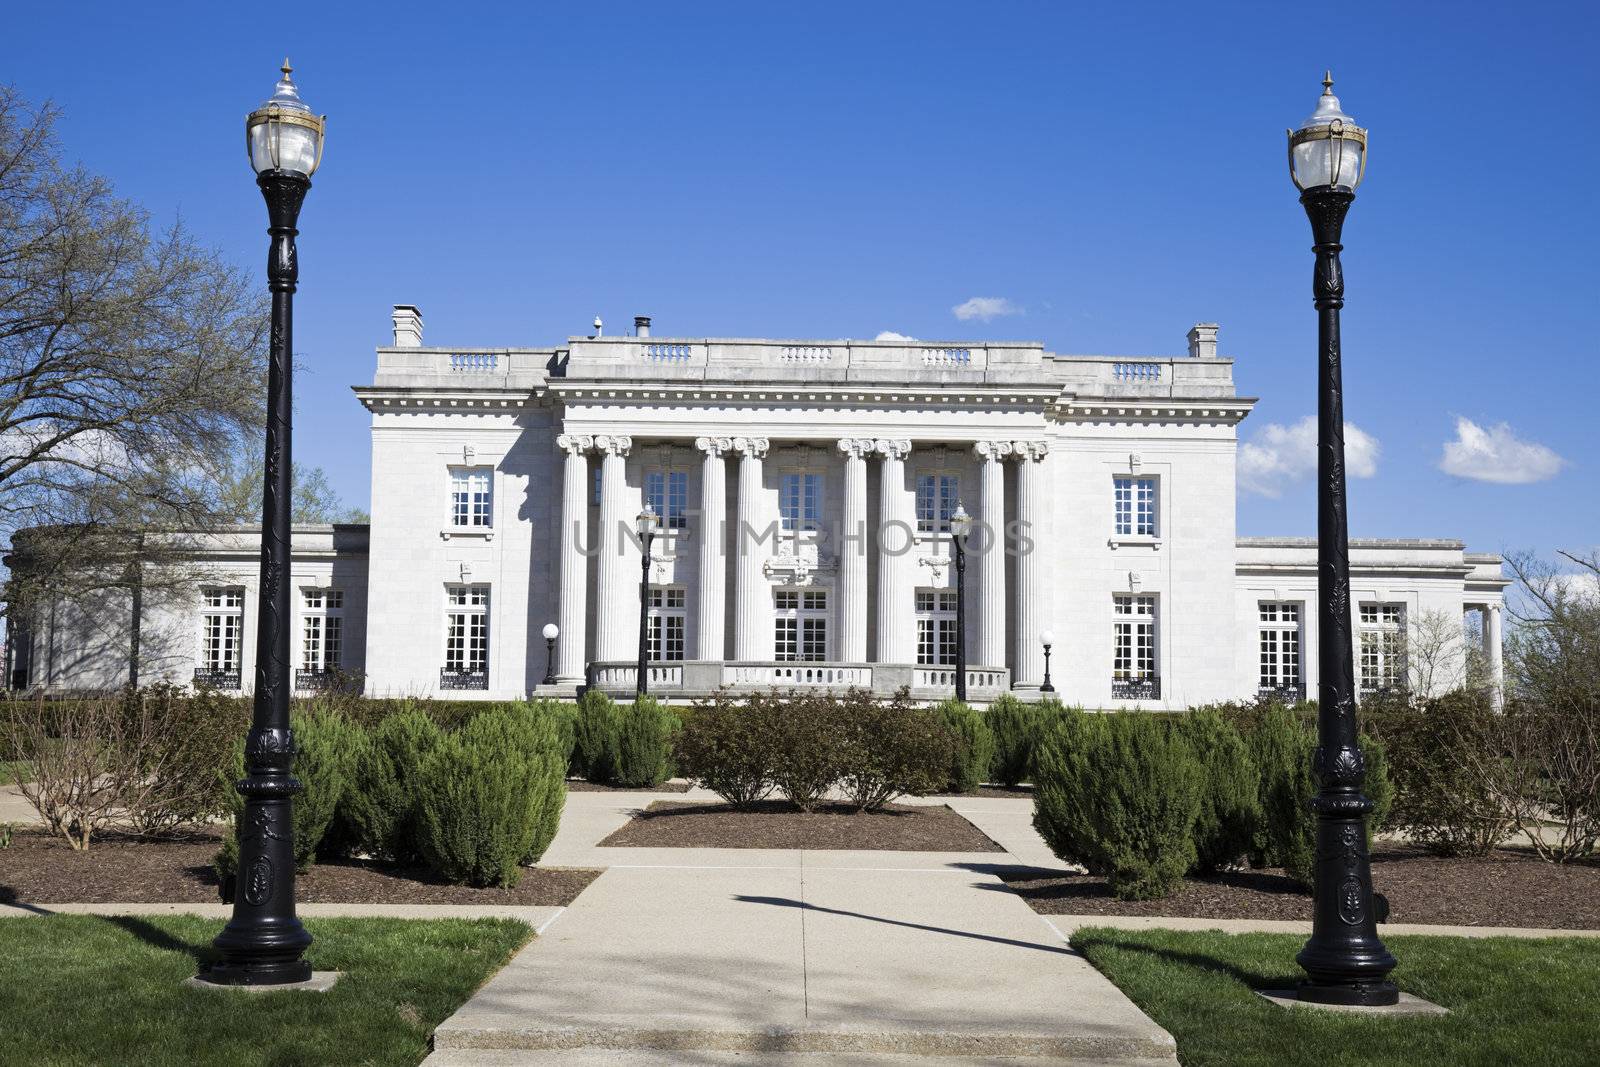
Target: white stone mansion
<point>803,491</point>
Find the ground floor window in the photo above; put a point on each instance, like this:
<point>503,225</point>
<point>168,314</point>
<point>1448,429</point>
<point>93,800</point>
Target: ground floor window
<point>801,625</point>
<point>1279,642</point>
<point>1133,658</point>
<point>321,637</point>
<point>466,638</point>
<point>936,627</point>
<point>664,625</point>
<point>221,637</point>
<point>1381,637</point>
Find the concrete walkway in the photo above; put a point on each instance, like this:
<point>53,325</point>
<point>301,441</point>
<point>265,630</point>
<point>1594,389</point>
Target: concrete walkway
<point>779,956</point>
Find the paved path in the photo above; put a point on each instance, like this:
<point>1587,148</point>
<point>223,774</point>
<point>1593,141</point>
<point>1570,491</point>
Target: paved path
<point>721,955</point>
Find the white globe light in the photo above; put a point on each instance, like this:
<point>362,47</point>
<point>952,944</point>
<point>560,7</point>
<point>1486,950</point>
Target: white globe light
<point>1047,638</point>
<point>551,631</point>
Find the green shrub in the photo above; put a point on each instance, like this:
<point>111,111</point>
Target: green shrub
<point>192,734</point>
<point>1014,726</point>
<point>1281,748</point>
<point>596,733</point>
<point>491,796</point>
<point>890,747</point>
<point>644,744</point>
<point>1061,747</point>
<point>381,804</point>
<point>1440,801</point>
<point>725,747</point>
<point>974,749</point>
<point>805,743</point>
<point>1230,805</point>
<point>1130,790</point>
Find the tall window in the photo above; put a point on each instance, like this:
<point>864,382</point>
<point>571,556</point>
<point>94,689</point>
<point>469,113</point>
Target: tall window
<point>1133,657</point>
<point>466,637</point>
<point>1280,648</point>
<point>471,503</point>
<point>221,630</point>
<point>937,496</point>
<point>664,624</point>
<point>321,630</point>
<point>1382,636</point>
<point>800,500</point>
<point>1135,506</point>
<point>801,625</point>
<point>936,627</point>
<point>667,493</point>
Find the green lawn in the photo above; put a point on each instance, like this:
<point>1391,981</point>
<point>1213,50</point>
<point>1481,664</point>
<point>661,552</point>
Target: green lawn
<point>11,771</point>
<point>78,989</point>
<point>1513,1001</point>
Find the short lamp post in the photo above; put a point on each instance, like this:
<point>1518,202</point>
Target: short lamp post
<point>1344,960</point>
<point>551,632</point>
<point>264,943</point>
<point>960,527</point>
<point>1047,639</point>
<point>645,525</point>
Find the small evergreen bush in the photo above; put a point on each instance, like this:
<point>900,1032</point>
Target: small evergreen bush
<point>725,747</point>
<point>1230,804</point>
<point>381,804</point>
<point>596,731</point>
<point>1014,726</point>
<point>974,749</point>
<point>888,748</point>
<point>1062,745</point>
<point>644,743</point>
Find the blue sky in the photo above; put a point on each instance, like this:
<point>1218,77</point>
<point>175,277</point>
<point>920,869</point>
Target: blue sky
<point>819,170</point>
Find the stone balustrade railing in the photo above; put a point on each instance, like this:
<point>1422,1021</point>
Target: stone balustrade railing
<point>690,679</point>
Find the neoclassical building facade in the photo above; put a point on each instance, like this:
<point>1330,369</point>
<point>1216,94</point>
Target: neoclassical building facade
<point>802,496</point>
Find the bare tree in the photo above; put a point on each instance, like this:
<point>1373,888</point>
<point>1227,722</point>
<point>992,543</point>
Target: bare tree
<point>1435,652</point>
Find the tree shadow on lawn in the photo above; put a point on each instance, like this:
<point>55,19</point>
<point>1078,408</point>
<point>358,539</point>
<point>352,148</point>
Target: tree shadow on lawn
<point>1253,979</point>
<point>202,952</point>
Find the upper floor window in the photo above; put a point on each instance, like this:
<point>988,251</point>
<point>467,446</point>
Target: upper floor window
<point>471,503</point>
<point>665,622</point>
<point>466,637</point>
<point>221,636</point>
<point>1382,644</point>
<point>667,493</point>
<point>800,500</point>
<point>1135,506</point>
<point>800,628</point>
<point>937,497</point>
<point>936,627</point>
<point>1279,643</point>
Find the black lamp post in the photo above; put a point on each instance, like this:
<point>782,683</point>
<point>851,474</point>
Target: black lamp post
<point>960,527</point>
<point>1047,639</point>
<point>1344,960</point>
<point>551,632</point>
<point>645,524</point>
<point>263,944</point>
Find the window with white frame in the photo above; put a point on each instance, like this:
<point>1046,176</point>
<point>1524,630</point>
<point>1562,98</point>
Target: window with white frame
<point>664,625</point>
<point>667,494</point>
<point>466,630</point>
<point>800,625</point>
<point>221,631</point>
<point>936,627</point>
<point>937,497</point>
<point>471,497</point>
<point>1279,639</point>
<point>1133,657</point>
<point>1135,506</point>
<point>800,500</point>
<point>321,630</point>
<point>1381,634</point>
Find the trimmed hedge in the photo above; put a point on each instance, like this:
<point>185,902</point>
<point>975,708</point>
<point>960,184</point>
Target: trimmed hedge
<point>724,747</point>
<point>1014,726</point>
<point>644,743</point>
<point>381,805</point>
<point>974,749</point>
<point>1230,805</point>
<point>596,729</point>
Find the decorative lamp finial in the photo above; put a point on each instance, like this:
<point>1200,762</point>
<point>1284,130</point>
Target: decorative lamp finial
<point>286,68</point>
<point>1327,82</point>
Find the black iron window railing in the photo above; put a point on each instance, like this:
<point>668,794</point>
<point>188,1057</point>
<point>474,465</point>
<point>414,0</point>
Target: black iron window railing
<point>217,678</point>
<point>1288,692</point>
<point>449,679</point>
<point>1136,688</point>
<point>315,681</point>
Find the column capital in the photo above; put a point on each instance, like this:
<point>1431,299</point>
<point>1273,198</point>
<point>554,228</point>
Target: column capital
<point>890,448</point>
<point>574,443</point>
<point>1030,450</point>
<point>715,447</point>
<point>993,450</point>
<point>612,444</point>
<point>753,447</point>
<point>856,447</point>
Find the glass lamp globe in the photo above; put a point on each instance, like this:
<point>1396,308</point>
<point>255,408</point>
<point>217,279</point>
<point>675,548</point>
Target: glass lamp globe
<point>1328,150</point>
<point>551,631</point>
<point>1047,638</point>
<point>646,522</point>
<point>282,134</point>
<point>960,522</point>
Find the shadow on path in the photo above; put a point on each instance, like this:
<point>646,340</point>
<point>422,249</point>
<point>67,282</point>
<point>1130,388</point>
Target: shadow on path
<point>786,902</point>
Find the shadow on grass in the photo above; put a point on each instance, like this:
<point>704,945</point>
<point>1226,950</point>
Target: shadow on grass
<point>787,902</point>
<point>155,937</point>
<point>1253,979</point>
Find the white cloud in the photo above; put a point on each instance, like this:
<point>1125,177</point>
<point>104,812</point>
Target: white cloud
<point>1497,455</point>
<point>1580,585</point>
<point>1279,454</point>
<point>984,308</point>
<point>890,335</point>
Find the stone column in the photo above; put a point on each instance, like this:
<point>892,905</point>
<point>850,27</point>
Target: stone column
<point>1492,640</point>
<point>711,595</point>
<point>1028,670</point>
<point>615,592</point>
<point>896,539</point>
<point>572,614</point>
<point>853,547</point>
<point>991,554</point>
<point>752,635</point>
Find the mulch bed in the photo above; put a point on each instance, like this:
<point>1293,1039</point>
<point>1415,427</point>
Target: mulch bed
<point>578,785</point>
<point>778,824</point>
<point>41,869</point>
<point>1509,887</point>
<point>995,792</point>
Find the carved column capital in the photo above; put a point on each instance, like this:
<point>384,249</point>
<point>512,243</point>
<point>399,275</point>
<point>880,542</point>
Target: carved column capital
<point>993,450</point>
<point>715,447</point>
<point>575,444</point>
<point>613,444</point>
<point>1030,451</point>
<point>754,447</point>
<point>892,448</point>
<point>856,447</point>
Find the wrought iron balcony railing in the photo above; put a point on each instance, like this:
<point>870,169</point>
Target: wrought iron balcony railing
<point>449,679</point>
<point>1287,692</point>
<point>1136,688</point>
<point>217,678</point>
<point>315,681</point>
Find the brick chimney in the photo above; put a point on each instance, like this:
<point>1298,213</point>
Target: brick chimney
<point>407,326</point>
<point>1203,341</point>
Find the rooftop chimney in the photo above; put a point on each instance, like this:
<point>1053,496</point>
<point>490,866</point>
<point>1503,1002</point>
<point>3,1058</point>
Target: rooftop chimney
<point>599,327</point>
<point>641,325</point>
<point>1203,341</point>
<point>407,326</point>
